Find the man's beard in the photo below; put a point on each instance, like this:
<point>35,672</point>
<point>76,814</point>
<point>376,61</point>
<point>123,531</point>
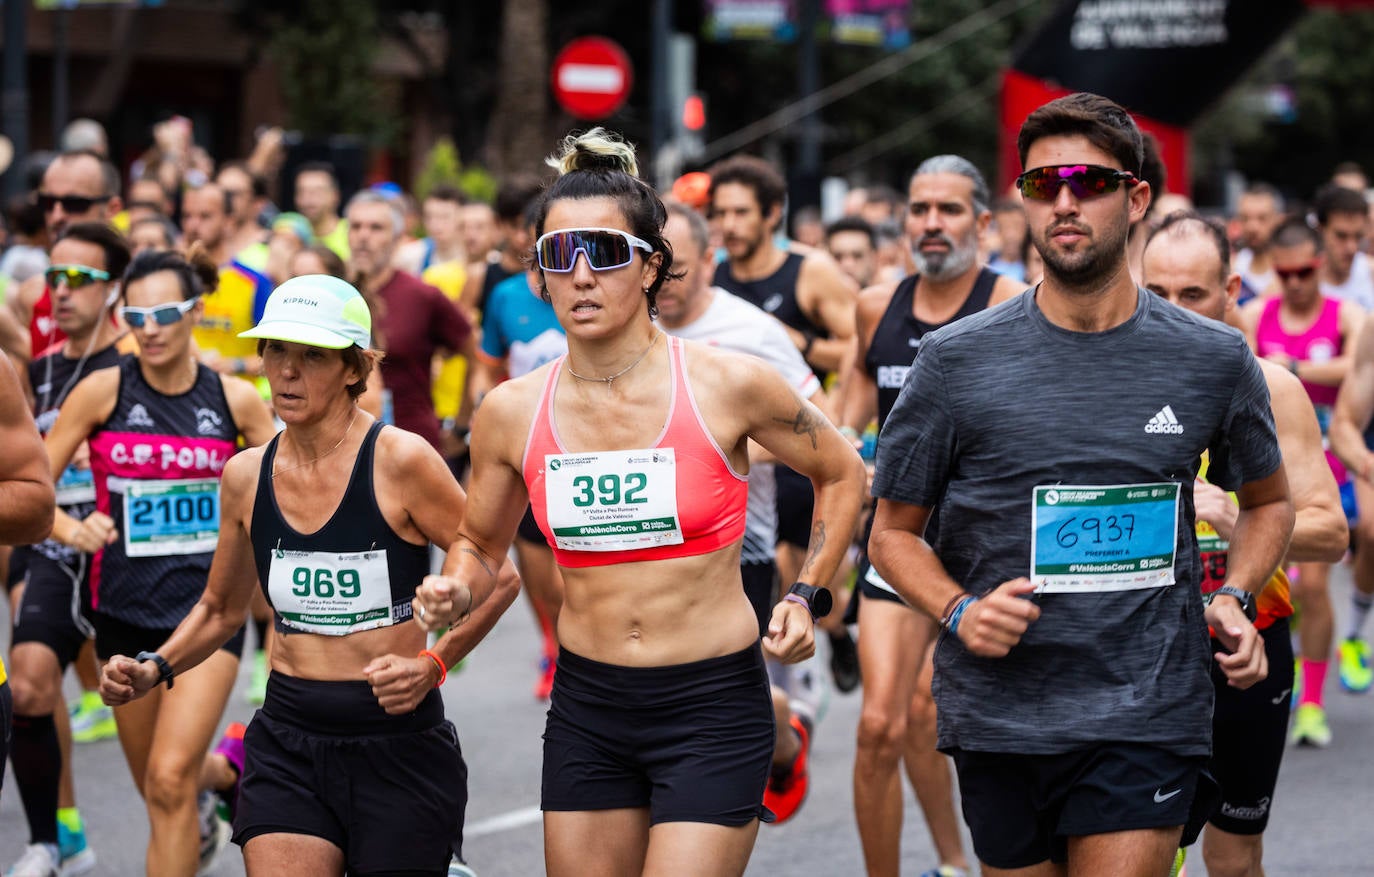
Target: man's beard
<point>1080,268</point>
<point>948,264</point>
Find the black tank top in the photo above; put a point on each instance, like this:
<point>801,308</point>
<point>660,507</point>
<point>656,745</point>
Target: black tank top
<point>496,272</point>
<point>776,293</point>
<point>52,377</point>
<point>156,463</point>
<point>899,333</point>
<point>354,573</point>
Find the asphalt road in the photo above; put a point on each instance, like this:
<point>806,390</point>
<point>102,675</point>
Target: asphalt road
<point>1320,827</point>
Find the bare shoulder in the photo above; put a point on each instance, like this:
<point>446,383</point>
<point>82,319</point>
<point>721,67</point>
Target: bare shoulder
<point>507,411</point>
<point>1282,383</point>
<point>240,475</point>
<point>238,392</point>
<point>402,452</point>
<point>875,298</point>
<point>726,373</point>
<point>1005,289</point>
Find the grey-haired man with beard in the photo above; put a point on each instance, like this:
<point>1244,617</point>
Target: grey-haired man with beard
<point>947,210</point>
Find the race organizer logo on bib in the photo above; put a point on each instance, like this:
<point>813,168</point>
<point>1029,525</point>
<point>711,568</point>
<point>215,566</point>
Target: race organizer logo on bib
<point>171,517</point>
<point>331,593</point>
<point>612,500</point>
<point>1108,538</point>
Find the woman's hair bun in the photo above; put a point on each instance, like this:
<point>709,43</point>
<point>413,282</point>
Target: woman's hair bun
<point>594,150</point>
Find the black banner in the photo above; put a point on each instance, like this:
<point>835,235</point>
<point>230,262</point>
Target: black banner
<point>1167,59</point>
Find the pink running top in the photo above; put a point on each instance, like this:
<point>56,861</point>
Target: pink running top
<point>1320,343</point>
<point>707,508</point>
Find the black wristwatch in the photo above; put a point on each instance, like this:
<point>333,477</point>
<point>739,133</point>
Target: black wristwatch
<point>1244,598</point>
<point>164,670</point>
<point>818,600</point>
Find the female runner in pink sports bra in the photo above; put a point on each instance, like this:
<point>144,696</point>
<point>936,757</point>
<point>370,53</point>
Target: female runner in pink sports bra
<point>632,451</point>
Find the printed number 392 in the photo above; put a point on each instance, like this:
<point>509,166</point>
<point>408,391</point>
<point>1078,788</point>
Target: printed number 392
<point>609,489</point>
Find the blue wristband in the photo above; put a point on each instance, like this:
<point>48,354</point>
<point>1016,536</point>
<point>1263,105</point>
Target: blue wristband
<point>954,617</point>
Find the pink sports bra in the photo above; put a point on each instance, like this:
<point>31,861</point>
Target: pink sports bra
<point>678,497</point>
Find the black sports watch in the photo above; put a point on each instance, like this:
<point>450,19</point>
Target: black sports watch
<point>164,670</point>
<point>818,600</point>
<point>1244,598</point>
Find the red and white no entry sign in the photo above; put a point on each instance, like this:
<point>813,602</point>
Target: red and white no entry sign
<point>591,77</point>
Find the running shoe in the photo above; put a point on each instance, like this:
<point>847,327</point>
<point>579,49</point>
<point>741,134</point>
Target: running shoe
<point>231,747</point>
<point>787,787</point>
<point>844,662</point>
<point>458,868</point>
<point>548,665</point>
<point>1179,869</point>
<point>1356,677</point>
<point>77,856</point>
<point>1310,727</point>
<point>92,721</point>
<point>946,871</point>
<point>39,860</point>
<point>257,681</point>
<point>214,833</point>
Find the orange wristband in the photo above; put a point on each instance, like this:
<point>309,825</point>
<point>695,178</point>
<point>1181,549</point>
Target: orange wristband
<point>443,671</point>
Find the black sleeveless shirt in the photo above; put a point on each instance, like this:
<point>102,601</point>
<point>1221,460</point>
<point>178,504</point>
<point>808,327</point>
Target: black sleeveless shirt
<point>354,573</point>
<point>775,294</point>
<point>899,333</point>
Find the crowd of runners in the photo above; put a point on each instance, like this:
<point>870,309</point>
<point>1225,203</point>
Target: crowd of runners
<point>733,470</point>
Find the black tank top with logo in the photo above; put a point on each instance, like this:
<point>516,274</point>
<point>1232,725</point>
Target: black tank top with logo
<point>52,377</point>
<point>899,333</point>
<point>354,573</point>
<point>156,463</point>
<point>775,294</point>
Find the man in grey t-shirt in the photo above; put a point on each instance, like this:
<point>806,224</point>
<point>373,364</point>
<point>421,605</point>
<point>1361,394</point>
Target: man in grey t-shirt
<point>1060,434</point>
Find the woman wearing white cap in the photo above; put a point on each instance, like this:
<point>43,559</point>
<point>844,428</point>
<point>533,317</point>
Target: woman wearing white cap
<point>334,517</point>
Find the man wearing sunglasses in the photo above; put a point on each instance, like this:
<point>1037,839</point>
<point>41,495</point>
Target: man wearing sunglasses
<point>1312,335</point>
<point>48,634</point>
<point>77,187</point>
<point>1187,262</point>
<point>1060,435</point>
<point>946,215</point>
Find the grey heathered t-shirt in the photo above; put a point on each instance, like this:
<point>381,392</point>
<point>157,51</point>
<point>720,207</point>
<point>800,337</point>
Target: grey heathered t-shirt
<point>1004,401</point>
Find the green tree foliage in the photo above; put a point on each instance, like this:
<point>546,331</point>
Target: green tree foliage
<point>324,50</point>
<point>1326,63</point>
<point>444,167</point>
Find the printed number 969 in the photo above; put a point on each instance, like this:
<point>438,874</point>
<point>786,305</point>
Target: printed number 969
<point>322,583</point>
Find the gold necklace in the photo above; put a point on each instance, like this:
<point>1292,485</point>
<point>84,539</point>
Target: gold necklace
<point>347,430</point>
<point>623,371</point>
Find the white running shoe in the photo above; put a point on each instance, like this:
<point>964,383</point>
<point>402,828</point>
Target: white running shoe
<point>39,860</point>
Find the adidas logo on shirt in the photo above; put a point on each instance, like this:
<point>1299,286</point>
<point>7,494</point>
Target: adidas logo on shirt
<point>1164,423</point>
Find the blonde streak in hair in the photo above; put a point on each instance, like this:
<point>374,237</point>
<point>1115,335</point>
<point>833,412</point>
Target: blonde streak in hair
<point>598,142</point>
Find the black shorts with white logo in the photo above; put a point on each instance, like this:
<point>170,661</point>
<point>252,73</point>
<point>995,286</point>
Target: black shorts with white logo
<point>324,759</point>
<point>1249,730</point>
<point>691,742</point>
<point>1022,809</point>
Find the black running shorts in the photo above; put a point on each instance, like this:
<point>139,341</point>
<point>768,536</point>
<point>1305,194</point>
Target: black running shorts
<point>324,759</point>
<point>1249,731</point>
<point>50,611</point>
<point>796,503</point>
<point>1022,809</point>
<point>115,637</point>
<point>690,742</point>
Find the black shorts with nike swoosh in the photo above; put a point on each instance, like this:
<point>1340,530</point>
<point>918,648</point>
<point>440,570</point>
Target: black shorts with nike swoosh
<point>1249,730</point>
<point>1022,809</point>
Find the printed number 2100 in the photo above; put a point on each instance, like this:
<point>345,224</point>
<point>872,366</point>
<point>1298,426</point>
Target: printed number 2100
<point>321,583</point>
<point>609,489</point>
